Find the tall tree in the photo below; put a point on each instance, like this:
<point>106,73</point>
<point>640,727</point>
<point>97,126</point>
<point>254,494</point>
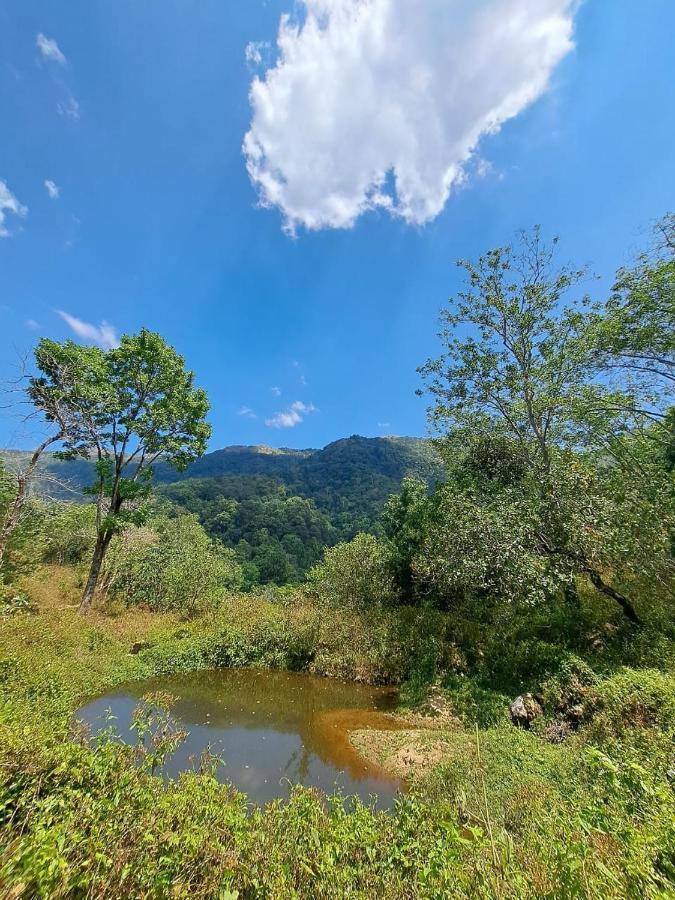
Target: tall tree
<point>127,408</point>
<point>633,332</point>
<point>516,365</point>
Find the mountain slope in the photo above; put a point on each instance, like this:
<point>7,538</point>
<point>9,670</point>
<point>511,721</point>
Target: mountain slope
<point>278,508</point>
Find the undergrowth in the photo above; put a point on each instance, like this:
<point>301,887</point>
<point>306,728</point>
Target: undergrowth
<point>507,813</point>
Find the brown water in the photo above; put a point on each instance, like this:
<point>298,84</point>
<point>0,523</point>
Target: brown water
<point>272,729</point>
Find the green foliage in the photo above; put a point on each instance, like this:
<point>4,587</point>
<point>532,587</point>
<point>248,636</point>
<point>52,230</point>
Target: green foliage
<point>633,332</point>
<point>278,508</point>
<point>70,532</point>
<point>505,814</point>
<point>353,575</point>
<point>552,480</point>
<point>630,702</point>
<point>127,407</point>
<point>25,541</point>
<point>170,564</point>
<point>529,542</point>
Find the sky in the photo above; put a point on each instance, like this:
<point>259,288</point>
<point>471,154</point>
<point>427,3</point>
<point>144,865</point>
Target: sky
<point>282,188</point>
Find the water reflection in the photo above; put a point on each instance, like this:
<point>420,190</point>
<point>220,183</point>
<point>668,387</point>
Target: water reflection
<point>272,729</point>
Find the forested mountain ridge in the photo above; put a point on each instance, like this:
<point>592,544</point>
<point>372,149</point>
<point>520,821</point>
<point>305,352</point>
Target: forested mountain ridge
<point>277,507</point>
<point>346,459</point>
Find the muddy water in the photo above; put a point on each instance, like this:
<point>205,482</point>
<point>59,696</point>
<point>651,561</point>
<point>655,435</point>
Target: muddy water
<point>272,729</point>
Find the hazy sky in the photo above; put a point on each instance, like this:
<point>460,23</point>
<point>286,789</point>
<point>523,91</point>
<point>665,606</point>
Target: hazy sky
<point>281,188</point>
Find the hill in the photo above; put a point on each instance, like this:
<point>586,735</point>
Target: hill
<point>277,507</point>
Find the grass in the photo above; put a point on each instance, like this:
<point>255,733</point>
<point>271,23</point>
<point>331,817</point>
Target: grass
<point>497,812</point>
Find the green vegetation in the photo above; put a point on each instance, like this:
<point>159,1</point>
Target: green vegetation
<point>541,564</point>
<point>277,508</point>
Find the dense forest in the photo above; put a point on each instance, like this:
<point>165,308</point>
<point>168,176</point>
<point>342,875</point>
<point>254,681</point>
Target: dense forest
<point>513,577</point>
<point>277,508</point>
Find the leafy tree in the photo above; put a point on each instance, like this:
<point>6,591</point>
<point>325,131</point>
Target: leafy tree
<point>170,564</point>
<point>528,540</point>
<point>514,362</point>
<point>70,532</point>
<point>22,543</point>
<point>633,332</point>
<point>59,417</point>
<point>127,407</point>
<point>515,367</point>
<point>354,574</point>
<point>406,520</point>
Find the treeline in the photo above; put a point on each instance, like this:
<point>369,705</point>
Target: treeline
<point>553,418</point>
<point>276,508</point>
<point>280,523</point>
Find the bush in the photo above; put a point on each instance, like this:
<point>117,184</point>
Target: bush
<point>630,703</point>
<point>353,575</point>
<point>170,565</point>
<point>70,532</point>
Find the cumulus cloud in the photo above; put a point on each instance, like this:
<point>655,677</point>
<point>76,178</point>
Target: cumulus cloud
<point>104,334</point>
<point>52,189</point>
<point>9,205</point>
<point>247,412</point>
<point>276,391</point>
<point>49,49</point>
<point>381,103</point>
<point>294,415</point>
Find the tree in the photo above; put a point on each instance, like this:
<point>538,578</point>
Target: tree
<point>406,521</point>
<point>633,332</point>
<point>514,361</point>
<point>22,543</point>
<point>516,366</point>
<point>354,574</point>
<point>171,564</point>
<point>67,370</point>
<point>127,408</point>
<point>521,537</point>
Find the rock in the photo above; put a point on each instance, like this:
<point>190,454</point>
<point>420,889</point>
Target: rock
<point>524,710</point>
<point>575,714</point>
<point>137,647</point>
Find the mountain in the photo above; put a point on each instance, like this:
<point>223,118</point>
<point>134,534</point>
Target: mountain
<point>278,508</point>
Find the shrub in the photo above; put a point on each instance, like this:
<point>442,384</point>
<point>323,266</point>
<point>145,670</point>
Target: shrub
<point>170,565</point>
<point>629,703</point>
<point>353,575</point>
<point>70,532</point>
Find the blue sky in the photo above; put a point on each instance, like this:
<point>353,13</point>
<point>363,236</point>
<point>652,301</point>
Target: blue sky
<point>135,114</point>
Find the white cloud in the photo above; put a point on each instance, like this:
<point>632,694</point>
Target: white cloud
<point>104,334</point>
<point>303,381</point>
<point>32,324</point>
<point>276,391</point>
<point>9,204</point>
<point>49,49</point>
<point>294,415</point>
<point>255,52</point>
<point>246,412</point>
<point>381,103</point>
<point>69,109</point>
<point>52,189</point>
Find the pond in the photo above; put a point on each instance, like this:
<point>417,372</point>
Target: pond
<point>271,729</point>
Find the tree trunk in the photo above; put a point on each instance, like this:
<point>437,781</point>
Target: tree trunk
<point>100,549</point>
<point>604,588</point>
